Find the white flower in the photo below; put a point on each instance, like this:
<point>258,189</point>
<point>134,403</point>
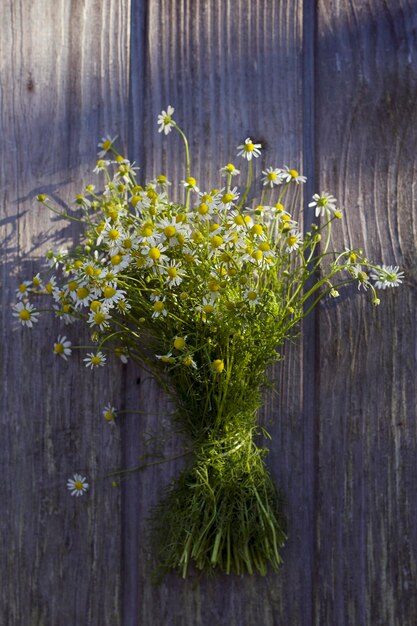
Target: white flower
<point>249,149</point>
<point>165,120</point>
<point>387,276</point>
<point>272,176</point>
<point>323,202</point>
<point>99,318</point>
<point>101,166</point>
<point>122,353</point>
<point>63,347</point>
<point>23,291</point>
<point>251,296</point>
<point>229,198</point>
<point>159,309</point>
<point>109,413</point>
<point>229,170</point>
<point>112,295</point>
<point>166,358</point>
<point>292,176</point>
<point>360,275</point>
<point>106,144</point>
<point>26,314</point>
<point>293,240</point>
<point>190,183</point>
<point>95,360</point>
<point>77,485</point>
<point>174,274</point>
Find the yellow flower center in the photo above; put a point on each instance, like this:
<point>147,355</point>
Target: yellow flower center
<point>257,255</point>
<point>292,240</point>
<point>154,254</point>
<point>170,231</point>
<point>230,168</point>
<point>271,176</point>
<point>106,145</point>
<point>203,209</point>
<point>293,173</point>
<point>116,259</point>
<point>264,246</point>
<point>179,343</point>
<point>213,285</point>
<point>228,197</point>
<point>22,288</point>
<point>95,360</point>
<point>187,361</point>
<point>216,241</point>
<point>147,231</point>
<point>257,229</point>
<point>239,220</point>
<point>249,147</point>
<point>58,348</point>
<point>208,308</point>
<point>172,272</point>
<point>95,305</point>
<point>218,366</point>
<point>78,484</point>
<point>49,288</point>
<point>109,416</point>
<point>72,286</point>
<point>252,295</point>
<point>113,234</point>
<point>108,292</point>
<point>127,244</point>
<point>99,318</point>
<point>158,306</point>
<point>82,293</point>
<point>24,315</point>
<point>191,181</point>
<point>279,207</point>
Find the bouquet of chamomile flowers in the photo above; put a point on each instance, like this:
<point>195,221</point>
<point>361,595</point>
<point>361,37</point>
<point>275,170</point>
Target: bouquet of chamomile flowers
<point>202,292</point>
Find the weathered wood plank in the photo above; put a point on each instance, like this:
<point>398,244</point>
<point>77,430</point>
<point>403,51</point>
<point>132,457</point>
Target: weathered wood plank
<point>366,125</point>
<point>60,556</point>
<point>232,70</point>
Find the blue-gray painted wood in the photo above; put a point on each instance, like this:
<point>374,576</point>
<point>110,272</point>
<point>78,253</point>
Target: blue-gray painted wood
<point>329,87</point>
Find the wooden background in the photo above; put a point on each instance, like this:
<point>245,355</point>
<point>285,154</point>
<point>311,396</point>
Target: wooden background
<point>328,87</point>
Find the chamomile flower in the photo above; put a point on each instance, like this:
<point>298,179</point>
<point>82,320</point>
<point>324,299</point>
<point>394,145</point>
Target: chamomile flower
<point>168,359</point>
<point>155,255</point>
<point>188,361</point>
<point>101,166</point>
<point>99,318</point>
<point>95,360</point>
<point>159,309</point>
<point>229,198</point>
<point>323,202</point>
<point>122,353</point>
<point>249,149</point>
<point>229,170</point>
<point>387,276</point>
<point>26,313</point>
<point>251,297</point>
<point>174,275</point>
<point>293,241</point>
<point>165,121</point>
<point>105,145</point>
<point>190,183</point>
<point>62,347</point>
<point>272,176</point>
<point>292,176</point>
<point>207,306</point>
<point>360,275</point>
<point>111,295</point>
<point>77,485</point>
<point>109,413</point>
<point>23,289</point>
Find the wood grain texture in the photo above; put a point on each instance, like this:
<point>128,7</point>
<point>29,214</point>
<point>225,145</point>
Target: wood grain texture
<point>366,138</point>
<point>60,556</point>
<point>231,70</point>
